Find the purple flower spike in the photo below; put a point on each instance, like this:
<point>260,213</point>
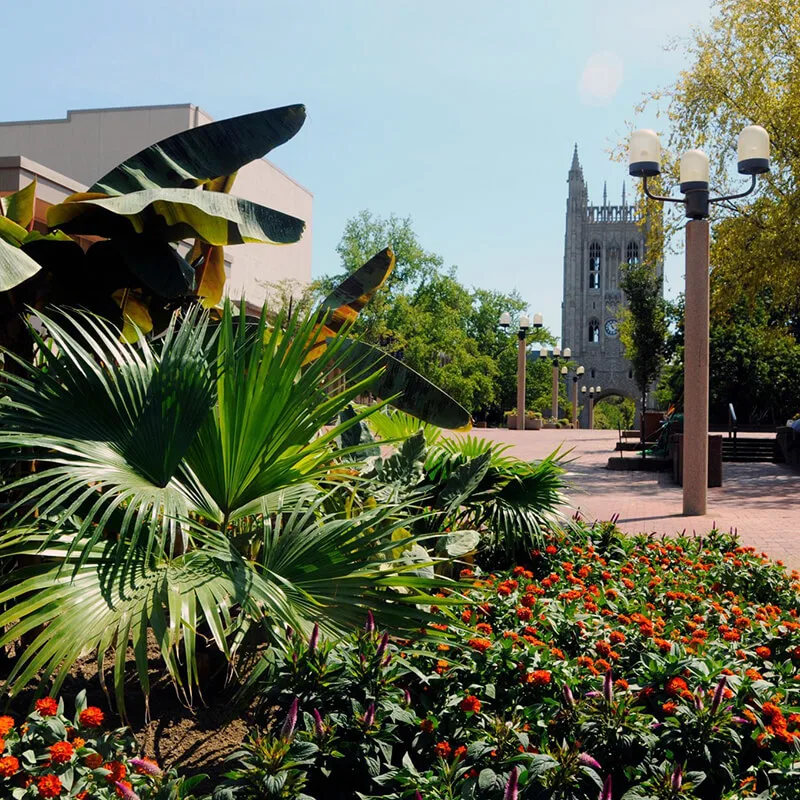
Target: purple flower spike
<point>407,697</point>
<point>145,765</point>
<point>698,699</point>
<point>386,661</point>
<point>512,787</point>
<point>569,698</point>
<point>125,792</point>
<point>289,632</point>
<point>585,760</point>
<point>314,640</point>
<point>369,717</point>
<point>382,646</point>
<point>718,694</point>
<point>287,731</point>
<point>593,693</point>
<point>677,779</point>
<point>319,725</point>
<point>608,687</point>
<point>369,627</point>
<point>417,796</point>
<point>606,793</point>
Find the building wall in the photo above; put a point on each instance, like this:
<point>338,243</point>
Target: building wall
<point>612,228</point>
<point>88,143</point>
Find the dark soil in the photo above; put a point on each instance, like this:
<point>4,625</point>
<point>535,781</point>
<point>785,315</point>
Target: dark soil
<point>194,736</point>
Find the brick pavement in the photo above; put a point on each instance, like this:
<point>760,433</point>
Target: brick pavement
<point>760,501</point>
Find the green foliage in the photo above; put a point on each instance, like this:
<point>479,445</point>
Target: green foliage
<point>431,322</point>
<point>660,668</point>
<point>644,325</point>
<point>754,362</point>
<point>615,413</point>
<point>742,70</point>
<point>175,493</point>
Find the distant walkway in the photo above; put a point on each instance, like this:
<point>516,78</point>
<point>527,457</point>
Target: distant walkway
<point>760,501</point>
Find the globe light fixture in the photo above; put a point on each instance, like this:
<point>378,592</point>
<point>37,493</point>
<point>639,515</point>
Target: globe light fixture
<point>644,161</point>
<point>505,319</point>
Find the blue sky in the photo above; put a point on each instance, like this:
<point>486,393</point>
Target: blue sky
<point>462,115</point>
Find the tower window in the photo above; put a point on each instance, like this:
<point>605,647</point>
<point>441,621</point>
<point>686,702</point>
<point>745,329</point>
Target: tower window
<point>594,331</point>
<point>593,375</point>
<point>630,374</point>
<point>594,265</point>
<point>632,254</point>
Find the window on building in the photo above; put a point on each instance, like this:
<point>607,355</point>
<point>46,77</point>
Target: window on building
<point>594,331</point>
<point>594,265</point>
<point>630,374</point>
<point>632,254</point>
<point>593,375</point>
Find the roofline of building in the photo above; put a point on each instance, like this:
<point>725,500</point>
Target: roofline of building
<point>72,111</point>
<point>40,170</point>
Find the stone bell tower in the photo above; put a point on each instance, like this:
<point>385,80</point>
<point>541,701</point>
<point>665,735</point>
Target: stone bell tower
<point>599,238</point>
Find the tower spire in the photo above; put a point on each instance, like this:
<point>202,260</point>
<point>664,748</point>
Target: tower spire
<point>576,164</point>
<point>605,193</point>
<point>624,202</point>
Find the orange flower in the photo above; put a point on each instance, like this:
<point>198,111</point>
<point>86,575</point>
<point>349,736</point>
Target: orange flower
<point>484,627</point>
<point>539,677</point>
<point>471,703</point>
<point>116,771</point>
<point>9,766</point>
<point>459,752</point>
<point>6,725</point>
<point>675,686</point>
<point>670,707</point>
<point>763,652</point>
<point>617,637</point>
<point>481,645</point>
<point>49,785</point>
<point>47,707</point>
<point>524,613</point>
<point>124,789</point>
<point>77,742</point>
<point>603,648</point>
<point>442,749</point>
<point>91,717</point>
<point>61,752</point>
<point>93,760</point>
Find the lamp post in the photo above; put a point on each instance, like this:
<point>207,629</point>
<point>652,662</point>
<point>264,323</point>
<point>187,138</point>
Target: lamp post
<point>575,378</point>
<point>588,411</point>
<point>645,162</point>
<point>556,355</point>
<point>524,325</point>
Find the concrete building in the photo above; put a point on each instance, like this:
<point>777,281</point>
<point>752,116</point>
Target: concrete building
<point>598,239</point>
<point>68,155</point>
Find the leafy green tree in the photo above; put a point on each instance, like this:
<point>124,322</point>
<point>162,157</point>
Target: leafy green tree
<point>644,330</point>
<point>745,69</point>
<point>615,413</point>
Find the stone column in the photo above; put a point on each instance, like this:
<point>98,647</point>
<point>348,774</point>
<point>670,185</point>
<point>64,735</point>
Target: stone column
<point>695,375</point>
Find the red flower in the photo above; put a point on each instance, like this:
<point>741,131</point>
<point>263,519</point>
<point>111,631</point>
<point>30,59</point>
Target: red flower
<point>49,785</point>
<point>483,627</point>
<point>93,760</point>
<point>426,726</point>
<point>9,766</point>
<point>442,749</point>
<point>539,677</point>
<point>471,703</point>
<point>117,771</point>
<point>47,707</point>
<point>670,707</point>
<point>91,717</point>
<point>617,637</point>
<point>459,752</point>
<point>763,652</point>
<point>551,550</point>
<point>61,752</point>
<point>675,686</point>
<point>6,725</point>
<point>481,645</point>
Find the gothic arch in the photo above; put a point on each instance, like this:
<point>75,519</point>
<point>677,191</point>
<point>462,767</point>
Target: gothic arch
<point>594,331</point>
<point>632,253</point>
<point>595,252</point>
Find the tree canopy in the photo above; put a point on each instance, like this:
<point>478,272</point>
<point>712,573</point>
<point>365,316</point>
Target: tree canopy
<point>448,332</point>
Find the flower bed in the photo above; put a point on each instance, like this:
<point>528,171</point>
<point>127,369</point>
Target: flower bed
<point>653,668</point>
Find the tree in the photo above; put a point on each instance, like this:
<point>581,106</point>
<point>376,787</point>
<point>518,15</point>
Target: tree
<point>644,327</point>
<point>437,326</point>
<point>745,70</point>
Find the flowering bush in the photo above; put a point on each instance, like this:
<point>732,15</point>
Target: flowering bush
<point>605,666</point>
<point>51,756</point>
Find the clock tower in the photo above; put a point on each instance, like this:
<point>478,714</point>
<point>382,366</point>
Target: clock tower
<point>599,238</point>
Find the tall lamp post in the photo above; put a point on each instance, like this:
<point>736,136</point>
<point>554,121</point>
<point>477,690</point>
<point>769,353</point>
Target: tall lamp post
<point>524,325</point>
<point>575,378</point>
<point>588,410</point>
<point>556,355</point>
<point>592,391</point>
<point>645,162</point>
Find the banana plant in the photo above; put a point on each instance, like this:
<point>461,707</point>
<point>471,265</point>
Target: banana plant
<point>142,208</point>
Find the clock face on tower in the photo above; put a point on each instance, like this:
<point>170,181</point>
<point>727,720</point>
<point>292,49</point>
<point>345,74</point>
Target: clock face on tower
<point>612,327</point>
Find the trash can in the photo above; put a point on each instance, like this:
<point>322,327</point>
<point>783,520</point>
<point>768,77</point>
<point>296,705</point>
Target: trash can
<point>714,459</point>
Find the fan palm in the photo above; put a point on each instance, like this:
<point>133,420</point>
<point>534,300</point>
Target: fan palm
<point>163,470</point>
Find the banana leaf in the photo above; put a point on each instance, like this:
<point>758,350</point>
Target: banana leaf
<point>19,207</point>
<point>198,155</point>
<point>157,264</point>
<point>344,303</point>
<point>414,394</point>
<point>175,214</point>
<point>16,266</point>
